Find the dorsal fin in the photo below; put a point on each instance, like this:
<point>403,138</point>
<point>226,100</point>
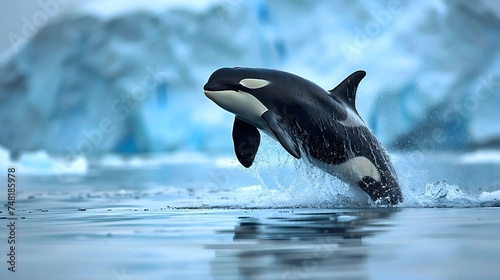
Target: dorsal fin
<point>346,90</point>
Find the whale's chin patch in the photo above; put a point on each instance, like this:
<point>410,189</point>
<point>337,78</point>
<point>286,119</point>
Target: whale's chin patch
<point>240,103</point>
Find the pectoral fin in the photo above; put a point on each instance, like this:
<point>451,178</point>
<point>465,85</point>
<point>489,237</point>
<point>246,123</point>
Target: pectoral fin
<point>246,140</point>
<point>281,134</point>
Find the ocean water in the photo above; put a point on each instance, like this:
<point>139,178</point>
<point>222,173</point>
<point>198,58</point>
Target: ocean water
<point>192,216</point>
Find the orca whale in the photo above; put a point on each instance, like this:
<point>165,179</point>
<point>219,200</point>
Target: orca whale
<point>309,121</point>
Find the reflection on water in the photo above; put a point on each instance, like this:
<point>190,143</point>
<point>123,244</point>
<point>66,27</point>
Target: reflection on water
<point>324,245</point>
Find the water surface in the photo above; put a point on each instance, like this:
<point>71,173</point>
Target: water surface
<point>209,219</point>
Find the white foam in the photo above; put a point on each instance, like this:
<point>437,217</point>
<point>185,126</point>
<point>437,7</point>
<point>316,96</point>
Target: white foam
<point>442,194</point>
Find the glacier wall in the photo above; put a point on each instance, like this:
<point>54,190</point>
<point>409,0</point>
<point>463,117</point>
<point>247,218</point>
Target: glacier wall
<point>107,80</point>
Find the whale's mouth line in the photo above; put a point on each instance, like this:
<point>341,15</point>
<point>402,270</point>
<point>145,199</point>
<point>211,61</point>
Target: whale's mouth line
<point>213,93</point>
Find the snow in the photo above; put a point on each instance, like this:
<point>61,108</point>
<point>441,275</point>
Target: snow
<point>113,8</point>
<point>40,163</point>
<point>481,157</point>
<point>490,196</point>
<point>126,77</point>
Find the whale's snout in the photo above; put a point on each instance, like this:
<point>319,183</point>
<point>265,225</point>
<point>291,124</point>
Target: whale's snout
<point>212,86</point>
<point>222,79</point>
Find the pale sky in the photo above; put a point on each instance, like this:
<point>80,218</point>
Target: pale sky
<point>19,15</point>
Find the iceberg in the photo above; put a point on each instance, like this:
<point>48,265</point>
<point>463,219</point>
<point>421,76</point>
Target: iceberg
<point>40,163</point>
<point>127,79</point>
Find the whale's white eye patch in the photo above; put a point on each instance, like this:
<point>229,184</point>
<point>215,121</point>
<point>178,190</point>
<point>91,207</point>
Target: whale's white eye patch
<point>254,83</point>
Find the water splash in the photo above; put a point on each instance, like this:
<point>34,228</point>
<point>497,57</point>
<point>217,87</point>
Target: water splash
<point>442,194</point>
